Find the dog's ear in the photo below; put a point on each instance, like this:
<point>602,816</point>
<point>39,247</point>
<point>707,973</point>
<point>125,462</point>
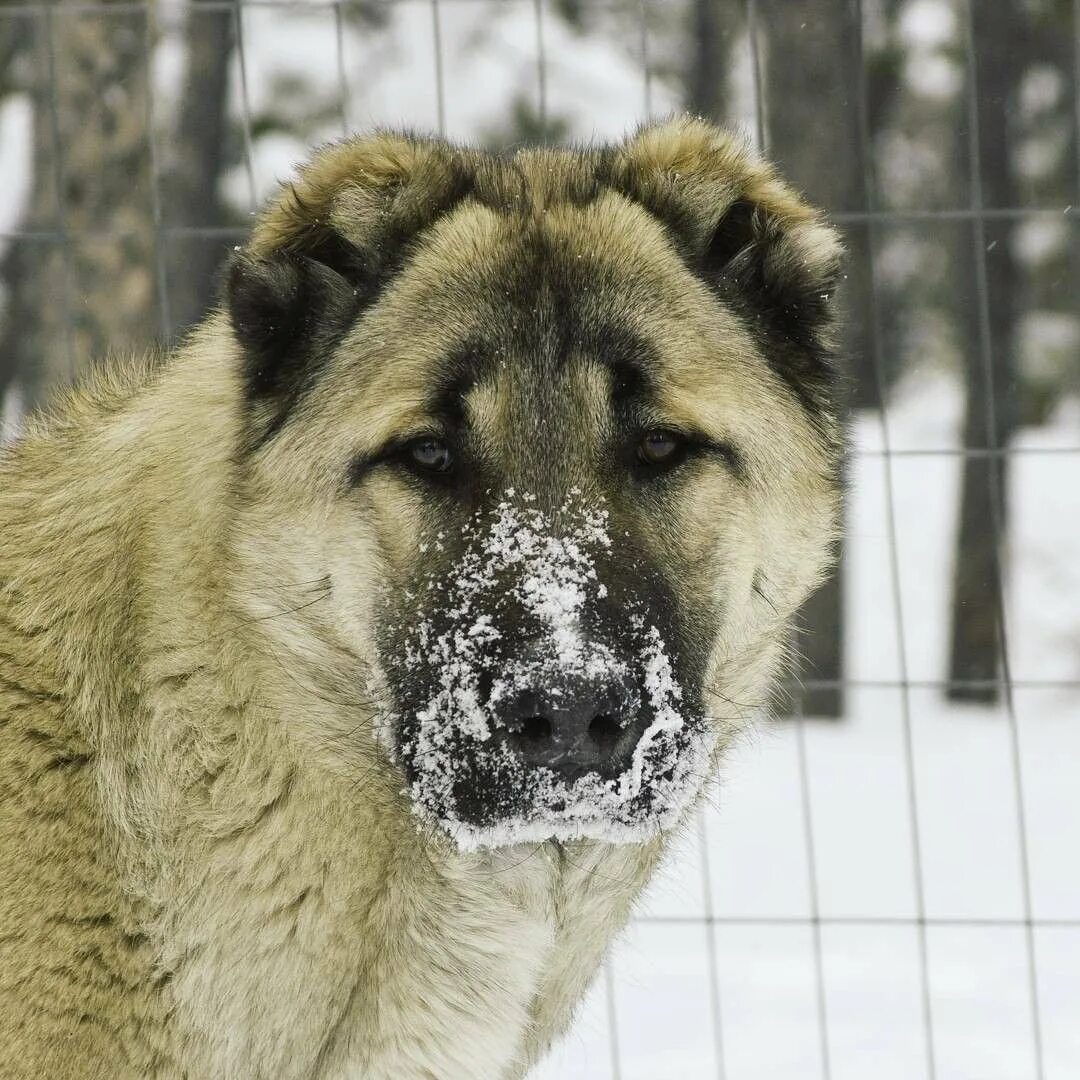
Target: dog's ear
<point>323,251</point>
<point>767,253</point>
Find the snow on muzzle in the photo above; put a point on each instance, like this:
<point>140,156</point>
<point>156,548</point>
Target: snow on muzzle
<point>538,708</point>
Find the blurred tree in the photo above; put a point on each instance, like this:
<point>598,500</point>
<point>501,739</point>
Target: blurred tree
<point>714,25</point>
<point>1002,51</point>
<point>1027,83</point>
<point>812,67</point>
<point>20,73</point>
<point>871,308</point>
<point>198,159</point>
<point>90,122</point>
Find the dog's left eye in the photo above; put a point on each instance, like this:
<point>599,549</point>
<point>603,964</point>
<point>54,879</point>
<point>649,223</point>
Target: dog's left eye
<point>431,454</point>
<point>659,447</point>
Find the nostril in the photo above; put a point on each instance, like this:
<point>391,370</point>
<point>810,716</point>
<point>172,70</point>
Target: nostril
<point>568,736</point>
<point>535,730</point>
<point>604,732</point>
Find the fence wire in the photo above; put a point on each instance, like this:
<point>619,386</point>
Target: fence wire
<point>878,460</point>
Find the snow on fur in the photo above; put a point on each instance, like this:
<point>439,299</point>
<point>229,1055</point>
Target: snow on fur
<point>552,575</point>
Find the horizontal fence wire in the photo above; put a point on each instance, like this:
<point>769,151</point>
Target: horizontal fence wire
<point>842,217</point>
<point>852,920</point>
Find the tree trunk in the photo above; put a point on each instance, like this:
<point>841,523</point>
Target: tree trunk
<point>710,58</point>
<point>33,333</point>
<point>197,161</point>
<point>16,47</point>
<point>990,408</point>
<point>812,72</point>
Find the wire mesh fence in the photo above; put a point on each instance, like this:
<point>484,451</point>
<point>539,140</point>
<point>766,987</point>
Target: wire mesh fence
<point>887,883</point>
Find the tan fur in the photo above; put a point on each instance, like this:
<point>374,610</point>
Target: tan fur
<point>209,866</point>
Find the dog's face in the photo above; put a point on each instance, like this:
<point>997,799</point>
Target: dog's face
<point>554,436</point>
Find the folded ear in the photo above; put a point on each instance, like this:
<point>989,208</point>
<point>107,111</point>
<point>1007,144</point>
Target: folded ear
<point>323,251</point>
<point>768,254</point>
<point>286,310</point>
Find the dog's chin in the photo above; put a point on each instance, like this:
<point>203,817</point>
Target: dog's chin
<point>491,800</point>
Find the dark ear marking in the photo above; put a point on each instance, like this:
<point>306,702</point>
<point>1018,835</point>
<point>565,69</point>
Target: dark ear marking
<point>769,256</point>
<point>323,252</point>
<point>753,260</point>
<point>767,269</point>
<point>288,311</point>
<point>760,266</point>
<point>731,238</point>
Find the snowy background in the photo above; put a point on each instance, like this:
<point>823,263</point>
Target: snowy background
<point>889,885</point>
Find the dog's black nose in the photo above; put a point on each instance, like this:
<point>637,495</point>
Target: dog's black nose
<point>574,729</point>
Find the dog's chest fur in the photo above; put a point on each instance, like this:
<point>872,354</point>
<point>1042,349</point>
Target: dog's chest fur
<point>301,956</point>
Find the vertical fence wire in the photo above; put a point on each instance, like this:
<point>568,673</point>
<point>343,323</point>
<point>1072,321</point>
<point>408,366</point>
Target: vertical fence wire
<point>910,776</point>
<point>437,52</point>
<point>614,1053</point>
<point>820,1003</point>
<point>754,44</point>
<point>810,847</point>
<point>711,950</point>
<point>541,65</point>
<point>646,63</point>
<point>895,587</point>
<point>1076,102</point>
<point>245,102</point>
<point>343,78</point>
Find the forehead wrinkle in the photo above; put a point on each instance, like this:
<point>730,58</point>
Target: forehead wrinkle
<point>633,368</point>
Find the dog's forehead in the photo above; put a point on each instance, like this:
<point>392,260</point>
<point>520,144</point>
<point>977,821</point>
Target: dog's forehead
<point>481,295</point>
<point>531,301</point>
<point>526,329</point>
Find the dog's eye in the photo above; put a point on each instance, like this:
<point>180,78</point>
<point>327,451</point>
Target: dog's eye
<point>659,447</point>
<point>431,454</point>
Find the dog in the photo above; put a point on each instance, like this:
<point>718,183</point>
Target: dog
<point>359,658</point>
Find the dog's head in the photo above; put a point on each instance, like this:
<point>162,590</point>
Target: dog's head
<point>555,436</point>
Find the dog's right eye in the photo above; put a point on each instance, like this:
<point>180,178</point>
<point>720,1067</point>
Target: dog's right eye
<point>659,447</point>
<point>430,454</point>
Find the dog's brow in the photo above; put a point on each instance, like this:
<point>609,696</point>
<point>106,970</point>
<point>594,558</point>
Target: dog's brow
<point>458,374</point>
<point>616,345</point>
<point>627,380</point>
<point>632,362</point>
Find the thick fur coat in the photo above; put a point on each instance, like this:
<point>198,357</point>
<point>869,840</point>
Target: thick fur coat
<point>210,863</point>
